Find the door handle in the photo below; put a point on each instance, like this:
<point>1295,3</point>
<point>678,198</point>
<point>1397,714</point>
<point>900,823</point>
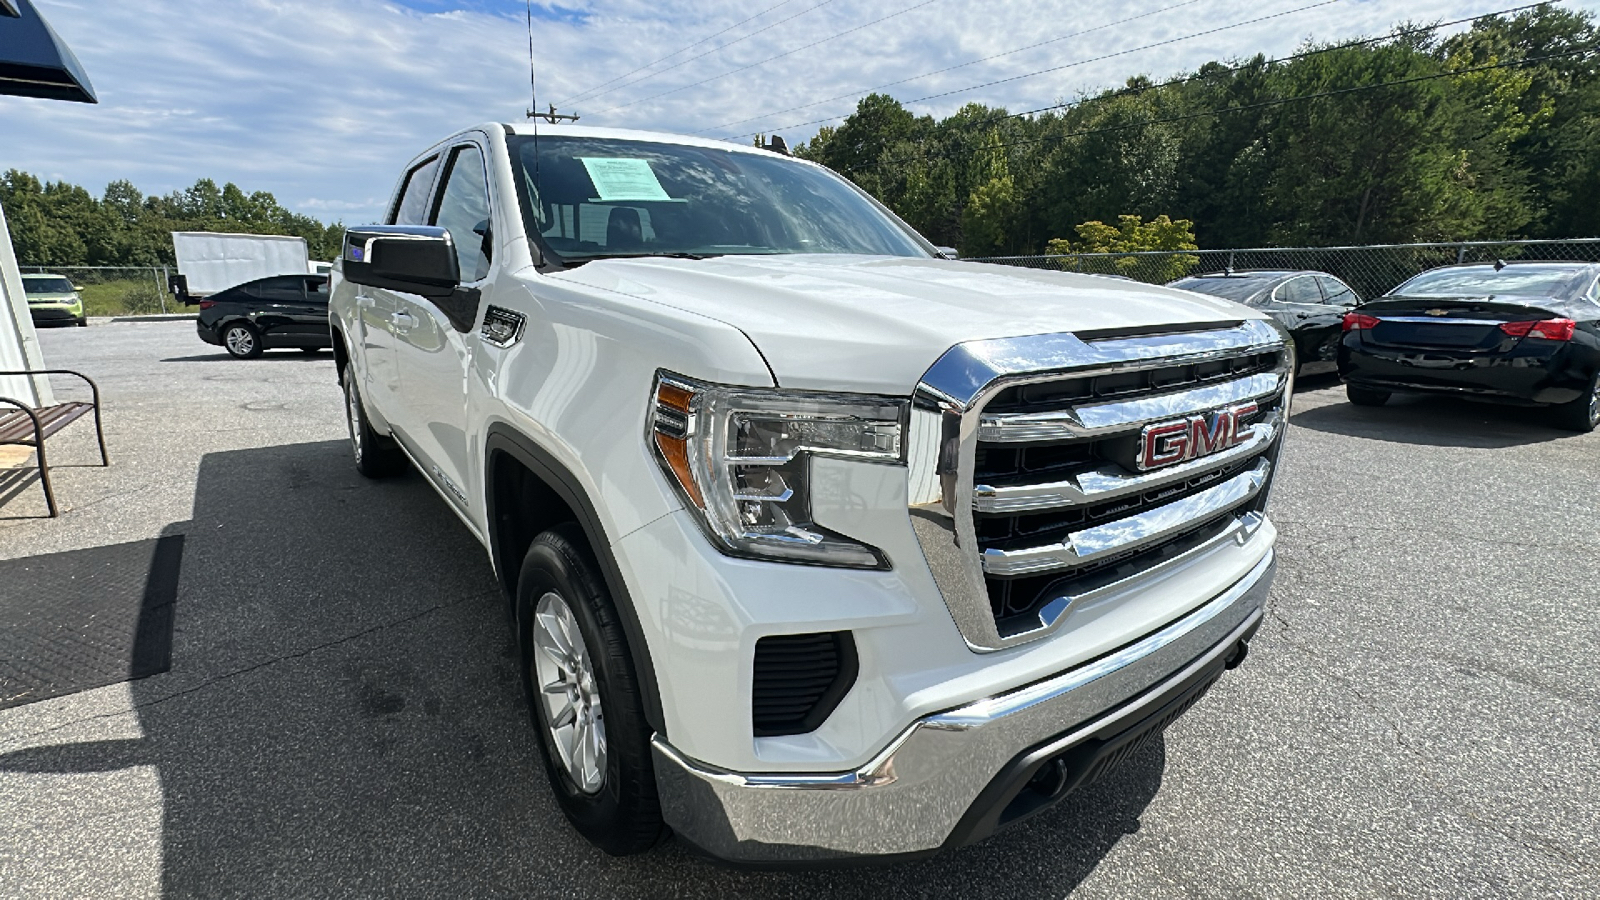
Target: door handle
<point>365,302</point>
<point>402,318</point>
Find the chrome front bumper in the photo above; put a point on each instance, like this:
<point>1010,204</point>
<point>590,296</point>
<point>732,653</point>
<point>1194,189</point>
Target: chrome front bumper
<point>912,797</point>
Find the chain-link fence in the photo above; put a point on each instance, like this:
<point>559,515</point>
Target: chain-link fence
<point>117,291</point>
<point>1371,270</point>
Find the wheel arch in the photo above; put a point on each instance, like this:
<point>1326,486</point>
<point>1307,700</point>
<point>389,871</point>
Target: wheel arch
<point>526,491</point>
<point>341,353</point>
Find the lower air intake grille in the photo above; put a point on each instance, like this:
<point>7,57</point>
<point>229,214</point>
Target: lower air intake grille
<point>799,680</point>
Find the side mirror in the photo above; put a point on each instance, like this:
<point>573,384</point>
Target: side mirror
<point>76,289</point>
<point>948,252</point>
<point>416,259</point>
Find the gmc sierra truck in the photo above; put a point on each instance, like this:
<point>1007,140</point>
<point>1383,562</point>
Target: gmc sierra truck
<point>818,544</point>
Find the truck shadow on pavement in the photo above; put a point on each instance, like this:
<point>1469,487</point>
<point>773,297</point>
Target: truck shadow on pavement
<point>343,718</point>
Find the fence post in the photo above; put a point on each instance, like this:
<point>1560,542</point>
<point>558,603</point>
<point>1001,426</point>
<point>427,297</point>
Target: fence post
<point>161,290</point>
<point>1230,261</point>
<point>1461,255</point>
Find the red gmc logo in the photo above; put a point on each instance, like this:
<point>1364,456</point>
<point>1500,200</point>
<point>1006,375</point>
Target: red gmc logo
<point>1170,443</point>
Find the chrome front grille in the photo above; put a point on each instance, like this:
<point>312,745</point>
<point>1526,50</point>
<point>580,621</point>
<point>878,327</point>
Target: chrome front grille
<point>1029,490</point>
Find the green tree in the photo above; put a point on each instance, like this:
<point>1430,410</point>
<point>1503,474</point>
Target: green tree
<point>1132,234</point>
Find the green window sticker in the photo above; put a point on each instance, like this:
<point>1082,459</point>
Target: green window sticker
<point>619,179</point>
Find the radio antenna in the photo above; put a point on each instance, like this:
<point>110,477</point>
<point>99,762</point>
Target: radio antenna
<point>533,88</point>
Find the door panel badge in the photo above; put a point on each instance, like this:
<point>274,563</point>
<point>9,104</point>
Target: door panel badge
<point>503,327</point>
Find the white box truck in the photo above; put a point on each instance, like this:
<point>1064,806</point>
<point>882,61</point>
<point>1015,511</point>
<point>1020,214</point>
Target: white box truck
<point>210,262</point>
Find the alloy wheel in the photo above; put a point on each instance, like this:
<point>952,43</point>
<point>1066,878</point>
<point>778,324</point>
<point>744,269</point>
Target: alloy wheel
<point>240,341</point>
<point>563,677</point>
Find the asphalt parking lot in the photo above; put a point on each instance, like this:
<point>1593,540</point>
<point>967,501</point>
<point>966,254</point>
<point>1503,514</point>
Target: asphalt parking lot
<point>1420,716</point>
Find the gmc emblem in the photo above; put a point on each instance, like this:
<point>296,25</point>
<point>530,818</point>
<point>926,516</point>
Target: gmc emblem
<point>1170,443</point>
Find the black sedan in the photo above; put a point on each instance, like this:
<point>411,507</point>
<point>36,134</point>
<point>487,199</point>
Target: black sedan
<point>1521,333</point>
<point>281,311</point>
<point>1310,304</point>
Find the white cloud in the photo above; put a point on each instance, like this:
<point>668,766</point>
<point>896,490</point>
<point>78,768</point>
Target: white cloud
<point>322,101</point>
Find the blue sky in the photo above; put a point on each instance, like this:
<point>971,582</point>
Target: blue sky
<point>321,101</point>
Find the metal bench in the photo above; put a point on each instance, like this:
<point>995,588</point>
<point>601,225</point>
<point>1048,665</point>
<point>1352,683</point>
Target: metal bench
<point>30,426</point>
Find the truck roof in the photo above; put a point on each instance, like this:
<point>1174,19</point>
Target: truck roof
<point>628,134</point>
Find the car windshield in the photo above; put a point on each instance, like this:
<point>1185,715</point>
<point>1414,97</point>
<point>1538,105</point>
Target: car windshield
<point>48,285</point>
<point>592,198</point>
<point>1232,287</point>
<point>1483,281</point>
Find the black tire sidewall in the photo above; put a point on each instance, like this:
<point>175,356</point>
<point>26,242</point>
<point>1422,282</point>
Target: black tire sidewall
<point>1574,416</point>
<point>624,815</point>
<point>378,459</point>
<point>1361,396</point>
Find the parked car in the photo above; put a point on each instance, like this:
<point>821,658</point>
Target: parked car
<point>1522,333</point>
<point>53,300</point>
<point>268,313</point>
<point>1310,304</point>
<point>816,544</point>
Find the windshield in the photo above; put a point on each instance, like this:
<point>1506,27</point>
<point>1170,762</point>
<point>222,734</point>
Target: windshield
<point>591,198</point>
<point>1482,281</point>
<point>33,284</point>
<point>1231,287</point>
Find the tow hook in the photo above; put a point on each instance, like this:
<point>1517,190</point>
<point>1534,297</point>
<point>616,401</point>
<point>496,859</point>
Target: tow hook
<point>1240,651</point>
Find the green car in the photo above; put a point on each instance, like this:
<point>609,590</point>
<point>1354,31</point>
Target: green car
<point>53,300</point>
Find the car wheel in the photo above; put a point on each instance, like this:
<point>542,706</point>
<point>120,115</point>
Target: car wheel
<point>83,323</point>
<point>1361,396</point>
<point>584,696</point>
<point>1582,414</point>
<point>376,455</point>
<point>242,341</point>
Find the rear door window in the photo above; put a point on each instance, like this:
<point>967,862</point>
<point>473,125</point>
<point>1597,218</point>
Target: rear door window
<point>1337,292</point>
<point>1300,290</point>
<point>412,208</point>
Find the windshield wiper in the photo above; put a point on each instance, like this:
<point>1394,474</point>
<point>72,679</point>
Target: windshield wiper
<point>591,257</point>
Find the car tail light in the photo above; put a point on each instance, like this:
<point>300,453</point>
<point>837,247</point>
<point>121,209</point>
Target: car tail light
<point>207,304</point>
<point>1547,329</point>
<point>1359,322</point>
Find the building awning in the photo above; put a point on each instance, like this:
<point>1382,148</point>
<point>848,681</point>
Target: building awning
<point>34,62</point>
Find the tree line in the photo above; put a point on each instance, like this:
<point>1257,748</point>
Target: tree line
<point>60,224</point>
<point>1486,134</point>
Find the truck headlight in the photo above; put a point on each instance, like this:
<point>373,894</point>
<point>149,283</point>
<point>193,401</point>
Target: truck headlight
<point>741,459</point>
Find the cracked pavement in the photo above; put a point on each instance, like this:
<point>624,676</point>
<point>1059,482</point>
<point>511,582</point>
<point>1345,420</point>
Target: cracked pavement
<point>1419,716</point>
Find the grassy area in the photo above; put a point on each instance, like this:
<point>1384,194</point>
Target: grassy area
<point>125,297</point>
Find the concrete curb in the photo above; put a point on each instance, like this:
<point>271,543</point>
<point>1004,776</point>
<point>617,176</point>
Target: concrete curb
<point>174,317</point>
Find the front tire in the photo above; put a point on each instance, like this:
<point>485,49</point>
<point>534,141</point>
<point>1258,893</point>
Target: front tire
<point>584,696</point>
<point>1361,396</point>
<point>376,455</point>
<point>1583,414</point>
<point>241,340</point>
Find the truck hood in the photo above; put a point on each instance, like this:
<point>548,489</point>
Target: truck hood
<point>876,324</point>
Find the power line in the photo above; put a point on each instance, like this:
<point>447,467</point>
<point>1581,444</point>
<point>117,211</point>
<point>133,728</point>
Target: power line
<point>712,50</point>
<point>974,62</point>
<point>1081,62</point>
<point>1279,101</point>
<point>782,55</point>
<point>583,94</point>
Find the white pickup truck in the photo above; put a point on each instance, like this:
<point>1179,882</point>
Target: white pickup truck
<point>818,544</point>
